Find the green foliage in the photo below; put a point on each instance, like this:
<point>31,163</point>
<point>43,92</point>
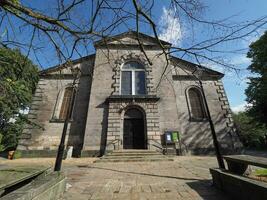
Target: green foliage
<point>17,155</point>
<point>261,172</point>
<point>18,79</point>
<point>257,89</point>
<point>252,133</point>
<point>2,148</point>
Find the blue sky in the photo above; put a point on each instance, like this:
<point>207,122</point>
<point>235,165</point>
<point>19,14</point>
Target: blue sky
<point>244,10</point>
<point>180,33</point>
<point>240,11</point>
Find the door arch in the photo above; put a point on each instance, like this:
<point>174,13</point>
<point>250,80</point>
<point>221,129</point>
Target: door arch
<point>134,131</point>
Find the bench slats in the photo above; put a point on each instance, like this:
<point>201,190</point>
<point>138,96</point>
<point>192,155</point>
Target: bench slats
<point>247,159</point>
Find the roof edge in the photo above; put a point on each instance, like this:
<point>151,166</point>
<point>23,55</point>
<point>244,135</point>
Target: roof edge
<point>219,74</point>
<point>63,65</point>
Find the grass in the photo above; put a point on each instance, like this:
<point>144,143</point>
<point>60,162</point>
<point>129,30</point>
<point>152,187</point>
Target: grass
<point>261,172</point>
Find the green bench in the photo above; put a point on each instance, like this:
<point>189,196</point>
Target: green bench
<point>238,164</point>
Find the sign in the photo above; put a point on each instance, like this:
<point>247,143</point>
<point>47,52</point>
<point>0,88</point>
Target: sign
<point>175,136</point>
<point>172,136</point>
<point>168,137</point>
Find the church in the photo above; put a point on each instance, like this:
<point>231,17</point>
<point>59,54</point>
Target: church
<point>123,98</point>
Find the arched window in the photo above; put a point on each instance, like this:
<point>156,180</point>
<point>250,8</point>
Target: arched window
<point>133,79</point>
<point>66,101</point>
<point>197,109</point>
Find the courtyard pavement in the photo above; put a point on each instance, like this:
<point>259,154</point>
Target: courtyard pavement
<point>185,178</point>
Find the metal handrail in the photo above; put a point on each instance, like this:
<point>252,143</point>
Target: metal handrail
<point>158,147</point>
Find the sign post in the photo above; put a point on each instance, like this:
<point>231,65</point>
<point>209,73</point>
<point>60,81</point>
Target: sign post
<point>172,137</point>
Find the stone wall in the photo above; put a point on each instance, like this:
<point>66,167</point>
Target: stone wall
<point>101,113</point>
<point>105,117</point>
<point>45,131</point>
<point>99,108</point>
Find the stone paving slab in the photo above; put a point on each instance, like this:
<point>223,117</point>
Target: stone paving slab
<point>186,178</point>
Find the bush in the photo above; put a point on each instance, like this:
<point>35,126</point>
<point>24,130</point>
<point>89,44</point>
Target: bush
<point>18,79</point>
<point>252,133</point>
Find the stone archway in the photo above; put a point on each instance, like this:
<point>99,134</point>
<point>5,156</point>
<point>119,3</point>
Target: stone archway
<point>134,131</point>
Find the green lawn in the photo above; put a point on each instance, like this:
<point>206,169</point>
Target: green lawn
<point>261,172</point>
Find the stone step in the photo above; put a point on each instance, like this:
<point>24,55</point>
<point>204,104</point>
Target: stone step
<point>134,151</point>
<point>134,156</point>
<point>135,160</point>
<point>131,157</point>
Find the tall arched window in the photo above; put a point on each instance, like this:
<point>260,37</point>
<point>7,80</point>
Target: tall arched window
<point>133,79</point>
<point>197,109</point>
<point>68,94</point>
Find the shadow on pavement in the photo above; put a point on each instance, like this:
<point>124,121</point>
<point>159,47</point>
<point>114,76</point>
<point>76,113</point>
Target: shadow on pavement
<point>140,173</point>
<point>207,191</point>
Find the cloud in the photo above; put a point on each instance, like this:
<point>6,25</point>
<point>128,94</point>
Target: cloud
<point>239,108</point>
<point>170,27</point>
<point>240,60</point>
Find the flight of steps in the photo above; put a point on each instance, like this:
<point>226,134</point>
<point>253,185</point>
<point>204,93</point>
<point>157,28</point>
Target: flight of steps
<point>134,156</point>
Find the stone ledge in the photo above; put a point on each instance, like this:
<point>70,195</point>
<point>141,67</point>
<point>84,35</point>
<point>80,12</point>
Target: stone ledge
<point>39,153</point>
<point>11,178</point>
<point>44,187</point>
<point>233,185</point>
<point>132,97</point>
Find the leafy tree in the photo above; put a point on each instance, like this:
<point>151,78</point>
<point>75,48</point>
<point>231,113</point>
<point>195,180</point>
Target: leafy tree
<point>18,79</point>
<point>257,89</point>
<point>252,133</point>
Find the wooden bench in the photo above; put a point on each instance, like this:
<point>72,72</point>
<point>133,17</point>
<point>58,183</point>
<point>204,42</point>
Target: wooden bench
<point>238,164</point>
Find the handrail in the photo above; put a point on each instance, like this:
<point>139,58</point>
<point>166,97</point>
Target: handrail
<point>158,147</point>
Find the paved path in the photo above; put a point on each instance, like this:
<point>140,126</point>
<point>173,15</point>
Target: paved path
<point>186,178</point>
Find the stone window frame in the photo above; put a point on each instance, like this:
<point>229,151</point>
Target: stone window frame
<point>117,72</point>
<point>133,76</point>
<point>57,107</point>
<point>191,118</point>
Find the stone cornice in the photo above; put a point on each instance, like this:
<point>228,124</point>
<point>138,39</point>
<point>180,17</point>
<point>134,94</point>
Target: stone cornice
<point>193,78</point>
<point>113,98</point>
<point>59,76</point>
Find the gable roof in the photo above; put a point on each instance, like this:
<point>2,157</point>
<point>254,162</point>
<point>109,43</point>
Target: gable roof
<point>133,34</point>
<point>194,67</point>
<point>145,39</point>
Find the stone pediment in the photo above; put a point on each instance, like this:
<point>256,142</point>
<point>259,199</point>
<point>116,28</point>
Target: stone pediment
<point>131,39</point>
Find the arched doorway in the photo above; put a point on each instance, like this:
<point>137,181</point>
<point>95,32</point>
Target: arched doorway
<point>134,134</point>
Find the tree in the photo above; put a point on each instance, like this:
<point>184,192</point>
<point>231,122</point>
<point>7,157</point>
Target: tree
<point>18,79</point>
<point>71,26</point>
<point>257,86</point>
<point>252,133</point>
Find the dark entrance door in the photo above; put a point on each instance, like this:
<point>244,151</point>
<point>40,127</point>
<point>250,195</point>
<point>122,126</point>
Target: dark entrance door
<point>133,130</point>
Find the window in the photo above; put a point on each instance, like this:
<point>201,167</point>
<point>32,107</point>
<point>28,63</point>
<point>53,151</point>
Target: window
<point>197,110</point>
<point>133,79</point>
<point>68,94</point>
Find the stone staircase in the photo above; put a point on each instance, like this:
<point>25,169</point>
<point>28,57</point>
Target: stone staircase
<point>134,156</point>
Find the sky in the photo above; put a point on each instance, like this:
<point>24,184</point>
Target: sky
<point>235,83</point>
<point>179,32</point>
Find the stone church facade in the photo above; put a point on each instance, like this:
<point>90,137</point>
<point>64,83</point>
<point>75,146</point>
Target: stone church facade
<point>122,100</point>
